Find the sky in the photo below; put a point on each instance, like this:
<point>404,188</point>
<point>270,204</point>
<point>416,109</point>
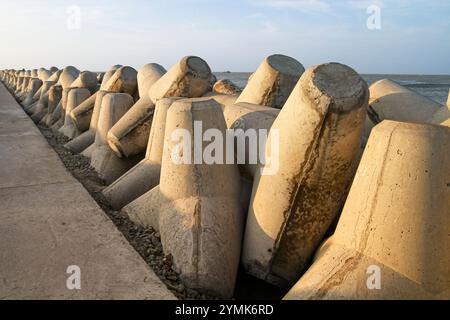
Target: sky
<point>409,37</point>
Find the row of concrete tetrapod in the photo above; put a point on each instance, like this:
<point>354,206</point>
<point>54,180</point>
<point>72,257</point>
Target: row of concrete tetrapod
<point>362,179</point>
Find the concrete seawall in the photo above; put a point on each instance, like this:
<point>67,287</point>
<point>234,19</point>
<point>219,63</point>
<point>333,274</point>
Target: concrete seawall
<point>49,222</point>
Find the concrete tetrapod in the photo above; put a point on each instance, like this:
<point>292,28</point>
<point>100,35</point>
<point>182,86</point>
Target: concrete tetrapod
<point>54,97</point>
<point>82,114</point>
<point>124,80</point>
<point>190,77</point>
<point>129,136</point>
<point>75,97</point>
<point>87,80</point>
<point>146,174</point>
<point>296,199</point>
<point>250,124</point>
<point>86,139</point>
<point>41,104</point>
<point>200,220</point>
<point>21,94</point>
<point>108,75</point>
<point>40,110</point>
<point>108,166</point>
<point>391,101</point>
<point>33,87</point>
<point>272,82</point>
<point>67,77</point>
<point>392,239</point>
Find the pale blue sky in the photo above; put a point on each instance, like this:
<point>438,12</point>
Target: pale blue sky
<point>231,35</point>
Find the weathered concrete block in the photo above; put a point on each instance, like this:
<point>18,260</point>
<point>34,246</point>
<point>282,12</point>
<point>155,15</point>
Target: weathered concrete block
<point>124,80</point>
<point>85,79</point>
<point>108,76</point>
<point>272,82</point>
<point>40,110</point>
<point>80,115</point>
<point>54,97</point>
<point>129,136</point>
<point>226,86</point>
<point>68,75</point>
<point>190,77</point>
<point>75,97</point>
<point>24,89</point>
<point>108,166</point>
<point>391,101</point>
<point>147,76</point>
<point>55,76</point>
<point>302,189</point>
<point>33,87</point>
<point>199,218</point>
<point>146,174</point>
<point>44,74</point>
<point>394,225</point>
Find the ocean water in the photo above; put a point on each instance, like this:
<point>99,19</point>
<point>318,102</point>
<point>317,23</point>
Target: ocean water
<point>433,87</point>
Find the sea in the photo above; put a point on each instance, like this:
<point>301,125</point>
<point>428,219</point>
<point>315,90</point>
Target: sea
<point>435,87</point>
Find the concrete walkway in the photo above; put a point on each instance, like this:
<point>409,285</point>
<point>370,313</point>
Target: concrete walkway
<point>49,222</point>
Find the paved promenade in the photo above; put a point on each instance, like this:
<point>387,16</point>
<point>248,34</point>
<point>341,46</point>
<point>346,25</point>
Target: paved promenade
<point>49,222</point>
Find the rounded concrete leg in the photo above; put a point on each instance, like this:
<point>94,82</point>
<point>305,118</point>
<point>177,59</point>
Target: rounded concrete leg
<point>144,211</point>
<point>300,191</point>
<point>82,114</point>
<point>273,81</point>
<point>134,183</point>
<point>391,101</point>
<point>199,218</point>
<point>75,98</point>
<point>108,166</point>
<point>190,77</point>
<point>393,231</point>
<point>81,143</point>
<point>129,136</point>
